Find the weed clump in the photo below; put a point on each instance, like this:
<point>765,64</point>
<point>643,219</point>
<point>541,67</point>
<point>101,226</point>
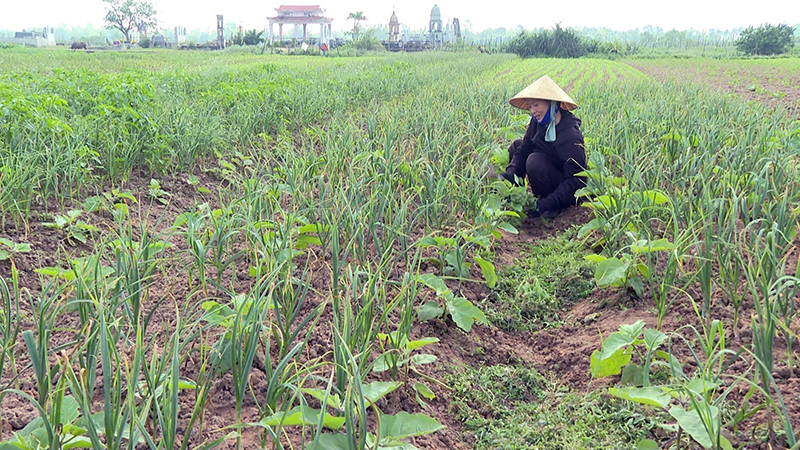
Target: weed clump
<point>531,294</point>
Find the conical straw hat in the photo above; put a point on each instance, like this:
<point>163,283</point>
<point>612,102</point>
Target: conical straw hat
<point>546,89</point>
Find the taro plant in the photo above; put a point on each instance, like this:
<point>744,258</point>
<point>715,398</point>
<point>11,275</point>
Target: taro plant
<point>453,253</point>
<point>110,201</point>
<point>633,265</point>
<point>74,228</point>
<point>193,181</point>
<point>692,400</point>
<point>390,430</point>
<point>9,248</point>
<point>156,193</point>
<point>462,311</point>
<point>399,356</point>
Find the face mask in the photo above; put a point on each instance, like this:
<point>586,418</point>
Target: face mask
<point>550,133</point>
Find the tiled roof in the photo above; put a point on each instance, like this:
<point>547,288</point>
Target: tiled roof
<point>298,8</point>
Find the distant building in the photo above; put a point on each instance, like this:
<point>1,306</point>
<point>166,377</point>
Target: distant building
<point>177,37</point>
<point>435,26</point>
<point>394,28</point>
<point>44,38</point>
<point>300,15</point>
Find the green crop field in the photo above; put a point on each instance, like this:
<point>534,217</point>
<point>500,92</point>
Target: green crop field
<point>230,250</point>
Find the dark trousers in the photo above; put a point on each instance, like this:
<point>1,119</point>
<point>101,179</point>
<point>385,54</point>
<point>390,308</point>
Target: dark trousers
<point>543,176</point>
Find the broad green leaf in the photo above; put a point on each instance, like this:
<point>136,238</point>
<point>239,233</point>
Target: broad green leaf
<point>181,220</point>
<point>69,412</point>
<point>594,224</point>
<point>95,203</point>
<point>644,270</point>
<point>655,197</point>
<point>215,312</point>
<point>464,313</point>
<point>636,283</point>
<point>413,345</point>
<point>611,365</point>
<point>121,208</point>
<point>126,195</point>
<point>302,415</point>
<point>22,247</point>
<point>405,425</point>
<point>7,242</point>
<point>653,396</point>
<point>632,331</point>
<point>605,201</point>
<point>507,227</point>
<point>611,272</point>
<point>328,441</point>
<point>71,442</point>
<point>699,387</point>
<point>652,246</point>
<point>460,267</point>
<point>4,255</point>
<point>378,389</point>
<point>424,391</point>
<point>627,335</point>
<point>692,423</point>
<point>304,240</point>
<point>488,271</point>
<point>632,374</point>
<point>647,444</point>
<point>427,241</point>
<point>435,283</point>
<point>313,228</point>
<point>595,258</point>
<point>423,359</point>
<point>382,364</point>
<point>333,399</point>
<point>654,338</point>
<point>429,310</point>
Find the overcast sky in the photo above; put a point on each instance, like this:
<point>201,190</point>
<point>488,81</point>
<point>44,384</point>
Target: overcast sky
<point>614,14</point>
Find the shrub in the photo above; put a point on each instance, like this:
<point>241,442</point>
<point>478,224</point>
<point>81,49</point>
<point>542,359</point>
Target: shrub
<point>367,43</point>
<point>557,43</point>
<point>766,40</point>
<point>144,43</point>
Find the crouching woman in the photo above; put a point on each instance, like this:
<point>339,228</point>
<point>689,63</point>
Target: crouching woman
<point>552,152</point>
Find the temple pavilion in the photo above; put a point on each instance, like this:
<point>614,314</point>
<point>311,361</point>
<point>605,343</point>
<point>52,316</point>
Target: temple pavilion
<point>300,15</point>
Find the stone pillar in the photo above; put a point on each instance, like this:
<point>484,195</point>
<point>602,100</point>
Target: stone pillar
<point>304,32</point>
<point>295,32</point>
<point>322,33</point>
<point>280,33</point>
<point>270,33</point>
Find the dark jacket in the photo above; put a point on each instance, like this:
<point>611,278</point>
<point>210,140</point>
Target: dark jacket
<point>566,153</point>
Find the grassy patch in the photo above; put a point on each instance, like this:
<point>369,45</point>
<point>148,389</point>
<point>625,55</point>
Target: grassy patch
<point>551,276</point>
<point>507,407</point>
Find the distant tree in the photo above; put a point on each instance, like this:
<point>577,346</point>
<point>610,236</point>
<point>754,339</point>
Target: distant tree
<point>129,15</point>
<point>252,37</point>
<point>357,17</point>
<point>766,40</point>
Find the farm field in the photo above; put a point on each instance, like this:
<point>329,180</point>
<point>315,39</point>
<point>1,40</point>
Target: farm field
<point>774,82</point>
<point>227,250</point>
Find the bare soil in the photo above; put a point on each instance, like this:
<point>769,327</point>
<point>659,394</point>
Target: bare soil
<point>752,83</point>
